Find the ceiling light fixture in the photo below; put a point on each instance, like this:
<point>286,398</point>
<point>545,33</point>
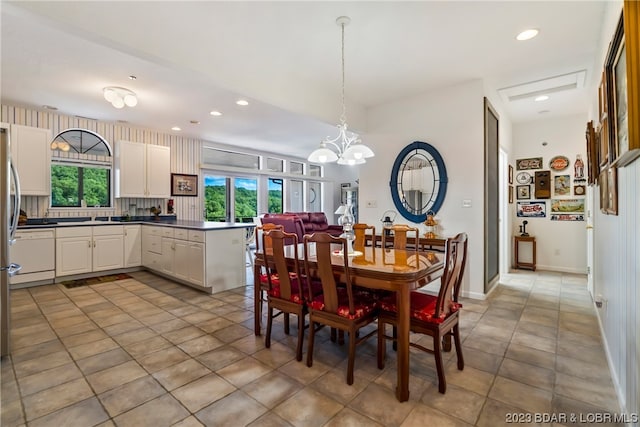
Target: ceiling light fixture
<point>215,113</point>
<point>119,96</point>
<point>176,128</point>
<point>350,150</point>
<point>60,145</point>
<point>527,34</point>
<point>541,98</point>
<point>242,102</point>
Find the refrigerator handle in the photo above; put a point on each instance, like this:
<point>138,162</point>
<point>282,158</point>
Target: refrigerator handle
<point>16,204</point>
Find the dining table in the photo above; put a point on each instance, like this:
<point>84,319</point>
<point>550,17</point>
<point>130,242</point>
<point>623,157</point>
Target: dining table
<point>388,269</point>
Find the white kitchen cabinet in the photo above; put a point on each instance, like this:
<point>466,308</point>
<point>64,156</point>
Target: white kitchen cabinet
<point>132,245</point>
<point>31,154</point>
<point>152,247</point>
<point>142,170</point>
<point>196,264</point>
<point>74,249</point>
<point>87,249</point>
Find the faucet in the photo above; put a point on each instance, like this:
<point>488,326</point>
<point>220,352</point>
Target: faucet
<point>46,218</point>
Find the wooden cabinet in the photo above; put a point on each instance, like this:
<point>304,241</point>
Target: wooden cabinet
<point>142,170</point>
<point>132,245</point>
<point>31,155</point>
<point>524,253</point>
<point>87,249</point>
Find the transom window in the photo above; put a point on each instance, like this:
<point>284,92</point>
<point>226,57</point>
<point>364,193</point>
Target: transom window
<point>81,165</point>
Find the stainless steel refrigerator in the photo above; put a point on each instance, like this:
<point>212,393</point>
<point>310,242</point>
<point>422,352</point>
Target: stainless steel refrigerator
<point>9,214</point>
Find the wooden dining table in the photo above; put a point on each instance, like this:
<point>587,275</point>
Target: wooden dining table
<point>376,268</point>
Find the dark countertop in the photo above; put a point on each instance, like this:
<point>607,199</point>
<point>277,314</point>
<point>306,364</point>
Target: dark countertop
<point>192,225</point>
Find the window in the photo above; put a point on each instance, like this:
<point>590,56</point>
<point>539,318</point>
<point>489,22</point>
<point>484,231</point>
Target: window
<point>80,170</point>
<point>225,195</point>
<point>275,195</point>
<point>296,168</point>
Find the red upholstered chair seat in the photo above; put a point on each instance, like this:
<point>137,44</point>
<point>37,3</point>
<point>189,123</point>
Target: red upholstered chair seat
<point>316,288</point>
<point>264,279</point>
<point>423,306</point>
<point>363,305</point>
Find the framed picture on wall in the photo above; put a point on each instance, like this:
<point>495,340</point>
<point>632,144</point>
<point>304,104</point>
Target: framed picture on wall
<point>510,174</point>
<point>511,194</point>
<point>184,185</point>
<point>523,192</point>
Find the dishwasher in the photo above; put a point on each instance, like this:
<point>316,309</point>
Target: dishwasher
<point>34,250</point>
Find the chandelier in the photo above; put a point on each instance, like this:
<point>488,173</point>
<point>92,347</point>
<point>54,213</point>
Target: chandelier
<point>346,148</point>
<point>120,96</point>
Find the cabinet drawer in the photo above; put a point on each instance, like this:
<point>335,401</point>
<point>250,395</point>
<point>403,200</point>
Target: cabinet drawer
<point>152,244</point>
<point>166,232</point>
<point>108,230</point>
<point>181,233</point>
<point>196,236</point>
<point>151,230</point>
<point>73,232</point>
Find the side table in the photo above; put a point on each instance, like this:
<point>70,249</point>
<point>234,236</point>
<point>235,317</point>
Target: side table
<point>525,252</point>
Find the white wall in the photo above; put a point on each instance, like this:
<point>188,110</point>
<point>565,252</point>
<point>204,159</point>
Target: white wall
<point>561,245</point>
<point>617,261</point>
<point>450,119</point>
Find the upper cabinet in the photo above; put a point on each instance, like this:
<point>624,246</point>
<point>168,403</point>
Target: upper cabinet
<point>31,155</point>
<point>142,170</point>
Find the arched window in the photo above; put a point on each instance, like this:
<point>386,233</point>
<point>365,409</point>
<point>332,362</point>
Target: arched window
<point>81,163</point>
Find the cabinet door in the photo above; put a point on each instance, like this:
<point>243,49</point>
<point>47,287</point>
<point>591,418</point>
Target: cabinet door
<point>107,252</point>
<point>181,261</point>
<point>73,255</point>
<point>132,246</point>
<point>129,169</point>
<point>196,264</point>
<point>168,254</point>
<point>158,171</point>
<point>31,154</point>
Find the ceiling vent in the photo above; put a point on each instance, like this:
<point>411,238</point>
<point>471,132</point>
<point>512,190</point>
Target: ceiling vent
<point>546,86</point>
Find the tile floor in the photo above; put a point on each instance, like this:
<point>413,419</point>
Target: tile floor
<point>148,352</point>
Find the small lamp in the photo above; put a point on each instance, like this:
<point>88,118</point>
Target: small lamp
<point>387,220</point>
<point>431,224</point>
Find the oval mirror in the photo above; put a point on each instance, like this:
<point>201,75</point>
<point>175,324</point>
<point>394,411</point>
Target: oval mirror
<point>418,181</point>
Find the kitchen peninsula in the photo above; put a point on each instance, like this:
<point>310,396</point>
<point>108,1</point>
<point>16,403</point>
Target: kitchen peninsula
<point>209,256</point>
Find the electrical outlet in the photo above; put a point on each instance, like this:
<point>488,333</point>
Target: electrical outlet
<point>372,204</point>
<point>466,203</point>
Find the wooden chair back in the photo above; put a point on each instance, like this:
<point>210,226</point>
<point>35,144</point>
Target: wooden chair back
<point>260,232</point>
<point>360,230</point>
<point>455,261</point>
<point>324,269</point>
<point>276,258</point>
<point>400,234</point>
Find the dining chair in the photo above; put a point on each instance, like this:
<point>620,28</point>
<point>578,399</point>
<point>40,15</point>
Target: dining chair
<point>288,292</point>
<point>265,271</point>
<point>400,233</point>
<point>339,307</point>
<point>437,316</point>
<point>360,231</point>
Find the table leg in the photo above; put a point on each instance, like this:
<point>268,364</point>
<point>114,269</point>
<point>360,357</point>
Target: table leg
<point>402,389</point>
<point>257,299</point>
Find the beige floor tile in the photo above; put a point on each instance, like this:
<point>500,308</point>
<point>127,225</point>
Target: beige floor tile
<point>202,344</point>
<point>115,376</point>
<point>480,342</point>
<point>49,378</point>
<point>597,393</point>
<point>244,371</point>
<point>54,398</point>
<point>42,363</point>
<point>135,336</point>
<point>36,350</point>
<point>272,389</point>
<point>29,339</point>
<point>198,317</point>
<point>220,357</point>
<point>528,374</point>
<point>232,333</point>
<point>421,413</point>
<point>180,374</point>
<point>480,360</point>
<point>275,356</point>
<point>202,392</point>
<point>582,369</point>
<point>184,334</point>
<point>161,411</point>
<point>333,384</point>
<point>520,395</point>
<point>129,395</point>
<point>237,408</point>
<point>538,343</point>
<point>190,421</point>
<point>458,402</point>
<point>121,328</point>
<point>103,361</point>
<point>582,411</point>
<point>499,414</point>
<point>214,325</point>
<point>532,356</point>
<point>89,349</point>
<point>151,345</point>
<point>470,378</point>
<point>12,414</point>
<point>350,418</point>
<point>161,359</point>
<point>88,412</point>
<point>84,338</point>
<point>269,420</point>
<point>304,374</point>
<point>382,406</point>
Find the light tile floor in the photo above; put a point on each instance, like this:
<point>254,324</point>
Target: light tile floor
<point>149,352</point>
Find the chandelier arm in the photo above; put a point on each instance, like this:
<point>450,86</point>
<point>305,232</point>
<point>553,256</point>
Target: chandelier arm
<point>343,117</point>
<point>333,142</point>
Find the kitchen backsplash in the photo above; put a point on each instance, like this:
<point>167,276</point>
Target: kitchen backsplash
<point>38,207</point>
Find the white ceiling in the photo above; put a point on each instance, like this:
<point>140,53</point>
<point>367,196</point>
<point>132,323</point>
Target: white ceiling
<point>284,57</point>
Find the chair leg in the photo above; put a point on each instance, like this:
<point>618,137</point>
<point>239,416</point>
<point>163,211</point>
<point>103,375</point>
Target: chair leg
<point>437,352</point>
<point>340,337</point>
<point>382,344</point>
<point>352,356</point>
<point>456,338</point>
<point>300,336</point>
<point>312,333</point>
<point>446,341</point>
<point>395,338</point>
<point>333,334</point>
<point>286,323</point>
<point>267,339</point>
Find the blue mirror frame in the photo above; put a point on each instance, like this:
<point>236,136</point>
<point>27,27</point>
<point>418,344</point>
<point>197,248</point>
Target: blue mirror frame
<point>441,182</point>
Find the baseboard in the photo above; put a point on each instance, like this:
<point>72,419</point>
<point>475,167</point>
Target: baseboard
<point>614,377</point>
<point>560,269</point>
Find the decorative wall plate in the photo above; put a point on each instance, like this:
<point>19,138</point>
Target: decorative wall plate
<point>523,178</point>
<point>559,163</point>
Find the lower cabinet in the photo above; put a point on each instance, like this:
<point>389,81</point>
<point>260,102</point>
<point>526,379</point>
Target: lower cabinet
<point>87,249</point>
<point>132,245</point>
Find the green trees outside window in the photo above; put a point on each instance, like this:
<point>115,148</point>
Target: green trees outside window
<point>71,184</point>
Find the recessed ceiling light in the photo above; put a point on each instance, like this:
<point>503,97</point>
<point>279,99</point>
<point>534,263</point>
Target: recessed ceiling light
<point>543,111</point>
<point>49,107</point>
<point>195,122</point>
<point>176,128</point>
<point>541,98</point>
<point>242,102</point>
<point>527,34</point>
<point>215,113</point>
